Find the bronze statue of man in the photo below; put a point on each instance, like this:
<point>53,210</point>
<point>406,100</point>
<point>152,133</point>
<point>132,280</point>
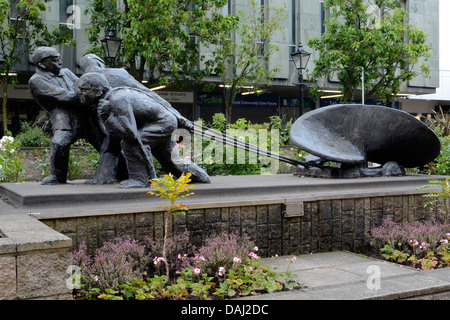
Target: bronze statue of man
<point>52,88</point>
<point>141,125</point>
<point>119,77</point>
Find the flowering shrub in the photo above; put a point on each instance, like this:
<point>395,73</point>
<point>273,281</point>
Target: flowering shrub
<point>11,161</point>
<point>117,272</point>
<point>421,244</point>
<point>114,263</point>
<point>179,253</point>
<point>223,250</point>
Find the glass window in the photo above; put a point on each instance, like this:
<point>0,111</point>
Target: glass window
<point>67,10</point>
<point>292,26</point>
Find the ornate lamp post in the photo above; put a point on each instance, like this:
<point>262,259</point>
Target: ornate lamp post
<point>301,58</point>
<point>111,45</point>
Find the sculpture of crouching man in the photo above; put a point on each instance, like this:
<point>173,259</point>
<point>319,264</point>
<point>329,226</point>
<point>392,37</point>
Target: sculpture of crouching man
<point>141,126</point>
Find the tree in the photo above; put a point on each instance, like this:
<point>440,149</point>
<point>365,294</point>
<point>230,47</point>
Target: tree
<point>22,31</point>
<point>163,38</point>
<point>172,190</point>
<point>243,60</point>
<point>374,38</point>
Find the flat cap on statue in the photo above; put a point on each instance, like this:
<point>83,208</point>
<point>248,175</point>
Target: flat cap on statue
<point>43,52</point>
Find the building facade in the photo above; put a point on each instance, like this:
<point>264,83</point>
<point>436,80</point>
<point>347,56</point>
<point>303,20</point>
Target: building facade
<point>305,20</point>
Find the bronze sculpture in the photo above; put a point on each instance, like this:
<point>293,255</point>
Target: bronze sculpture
<point>129,125</point>
<point>140,125</point>
<point>52,88</point>
<point>119,77</point>
<point>353,135</point>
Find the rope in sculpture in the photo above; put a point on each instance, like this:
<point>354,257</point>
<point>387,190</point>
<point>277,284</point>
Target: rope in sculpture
<point>243,145</point>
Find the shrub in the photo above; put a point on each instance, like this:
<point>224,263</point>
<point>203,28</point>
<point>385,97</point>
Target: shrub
<point>220,251</point>
<point>235,271</point>
<point>219,122</point>
<point>220,161</point>
<point>82,157</point>
<point>442,162</point>
<point>399,235</point>
<point>12,167</point>
<point>439,198</point>
<point>276,123</point>
<point>32,136</point>
<point>114,263</point>
<point>441,165</point>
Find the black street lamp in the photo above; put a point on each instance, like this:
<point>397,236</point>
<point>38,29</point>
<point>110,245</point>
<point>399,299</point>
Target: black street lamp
<point>111,45</point>
<point>301,58</point>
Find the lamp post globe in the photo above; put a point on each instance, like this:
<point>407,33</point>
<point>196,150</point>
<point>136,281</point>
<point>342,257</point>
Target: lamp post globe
<point>301,59</point>
<point>111,46</point>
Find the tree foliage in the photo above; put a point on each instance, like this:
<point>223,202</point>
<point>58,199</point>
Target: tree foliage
<point>172,41</point>
<point>243,60</point>
<point>373,36</point>
<point>22,30</point>
<point>162,39</point>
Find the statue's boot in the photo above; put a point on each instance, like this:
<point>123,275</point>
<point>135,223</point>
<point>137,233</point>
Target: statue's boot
<point>59,164</point>
<point>134,183</point>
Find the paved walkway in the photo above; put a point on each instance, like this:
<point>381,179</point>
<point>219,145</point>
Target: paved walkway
<point>347,276</point>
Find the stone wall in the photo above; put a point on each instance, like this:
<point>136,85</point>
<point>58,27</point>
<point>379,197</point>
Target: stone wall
<point>324,225</point>
<point>33,260</point>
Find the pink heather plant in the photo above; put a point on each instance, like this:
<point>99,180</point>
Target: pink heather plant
<point>114,263</point>
<point>221,251</point>
<point>404,236</point>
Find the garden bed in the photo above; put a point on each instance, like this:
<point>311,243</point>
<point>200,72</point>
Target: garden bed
<point>228,267</point>
<point>420,244</point>
<point>82,162</point>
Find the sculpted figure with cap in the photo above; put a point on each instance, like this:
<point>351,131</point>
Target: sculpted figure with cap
<point>52,88</point>
<point>125,121</point>
<point>141,126</point>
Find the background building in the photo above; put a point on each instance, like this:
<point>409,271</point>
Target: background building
<point>305,19</point>
<point>428,103</point>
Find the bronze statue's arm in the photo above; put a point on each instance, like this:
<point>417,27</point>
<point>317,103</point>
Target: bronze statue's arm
<point>49,95</point>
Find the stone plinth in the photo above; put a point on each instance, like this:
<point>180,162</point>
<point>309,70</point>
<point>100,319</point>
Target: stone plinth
<point>33,259</point>
<point>283,214</point>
